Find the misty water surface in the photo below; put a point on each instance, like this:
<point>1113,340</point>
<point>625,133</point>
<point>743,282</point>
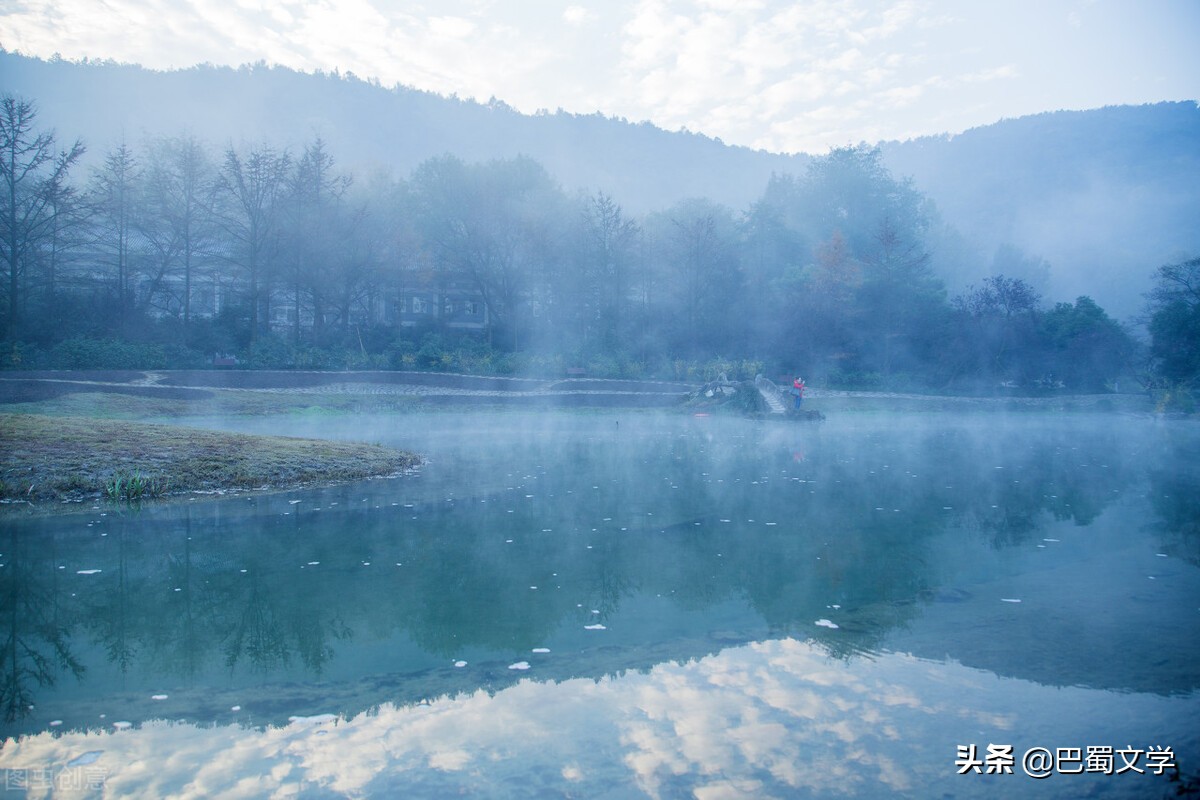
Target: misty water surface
<point>630,603</point>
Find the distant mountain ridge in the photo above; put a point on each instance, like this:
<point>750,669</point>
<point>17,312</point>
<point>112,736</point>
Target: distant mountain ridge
<point>369,127</point>
<point>1105,196</point>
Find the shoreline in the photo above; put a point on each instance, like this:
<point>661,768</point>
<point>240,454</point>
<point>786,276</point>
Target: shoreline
<point>66,439</point>
<point>137,394</point>
<point>57,462</point>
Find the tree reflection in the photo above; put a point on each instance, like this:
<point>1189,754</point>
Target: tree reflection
<point>257,633</point>
<point>116,608</point>
<point>1175,496</point>
<point>720,530</point>
<point>314,636</point>
<point>36,646</point>
<point>183,627</point>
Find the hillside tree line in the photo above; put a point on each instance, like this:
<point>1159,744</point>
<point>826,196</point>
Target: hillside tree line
<point>828,273</point>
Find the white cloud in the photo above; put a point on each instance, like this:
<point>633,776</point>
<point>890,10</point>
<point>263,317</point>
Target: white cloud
<point>753,74</point>
<point>451,27</point>
<point>902,96</point>
<point>578,15</point>
<point>760,73</point>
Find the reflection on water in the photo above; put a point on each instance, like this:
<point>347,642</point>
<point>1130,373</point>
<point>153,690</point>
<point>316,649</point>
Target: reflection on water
<point>1011,557</point>
<point>774,719</point>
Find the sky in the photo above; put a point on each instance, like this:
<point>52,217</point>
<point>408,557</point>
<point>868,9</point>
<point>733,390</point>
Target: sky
<point>798,76</point>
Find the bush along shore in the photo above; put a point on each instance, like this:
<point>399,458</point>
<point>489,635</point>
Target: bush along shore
<point>56,459</point>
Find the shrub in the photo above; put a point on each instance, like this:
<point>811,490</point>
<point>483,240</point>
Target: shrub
<point>429,355</point>
<point>269,352</point>
<point>81,353</point>
<point>1175,398</point>
<point>134,487</point>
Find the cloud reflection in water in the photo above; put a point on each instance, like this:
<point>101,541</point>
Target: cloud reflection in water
<point>773,719</point>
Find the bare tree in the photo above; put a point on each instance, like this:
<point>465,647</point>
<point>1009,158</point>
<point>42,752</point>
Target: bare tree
<point>897,288</point>
<point>180,219</point>
<point>66,216</point>
<point>314,231</point>
<point>610,248</point>
<point>486,224</point>
<point>254,185</point>
<point>699,242</point>
<point>999,295</point>
<point>113,197</point>
<point>32,176</point>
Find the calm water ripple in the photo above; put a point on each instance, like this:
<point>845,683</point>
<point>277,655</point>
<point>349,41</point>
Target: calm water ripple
<point>631,604</point>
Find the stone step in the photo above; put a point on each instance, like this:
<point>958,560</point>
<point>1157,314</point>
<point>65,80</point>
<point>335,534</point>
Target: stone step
<point>773,400</point>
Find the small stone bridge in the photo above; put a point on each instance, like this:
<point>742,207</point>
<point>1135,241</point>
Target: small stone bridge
<point>775,398</point>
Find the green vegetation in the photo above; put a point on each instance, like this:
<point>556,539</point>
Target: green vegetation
<point>64,458</point>
<point>277,258</point>
<point>136,487</point>
<point>1174,374</point>
<point>435,352</point>
<point>738,398</point>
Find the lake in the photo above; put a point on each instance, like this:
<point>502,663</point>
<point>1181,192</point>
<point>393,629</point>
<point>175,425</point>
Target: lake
<point>629,604</point>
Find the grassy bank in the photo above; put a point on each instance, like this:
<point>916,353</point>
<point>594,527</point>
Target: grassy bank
<point>876,402</point>
<point>103,402</point>
<point>229,403</point>
<point>50,459</point>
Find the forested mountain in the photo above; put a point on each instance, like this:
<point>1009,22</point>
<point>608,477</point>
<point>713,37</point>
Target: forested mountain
<point>373,127</point>
<point>1086,202</point>
<point>1092,200</point>
<point>298,219</point>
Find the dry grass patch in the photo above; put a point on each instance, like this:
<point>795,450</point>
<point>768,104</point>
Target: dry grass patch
<point>57,458</point>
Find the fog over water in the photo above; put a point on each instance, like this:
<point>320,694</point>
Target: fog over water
<point>708,605</point>
<point>750,466</point>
